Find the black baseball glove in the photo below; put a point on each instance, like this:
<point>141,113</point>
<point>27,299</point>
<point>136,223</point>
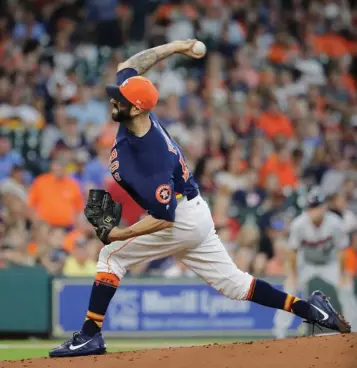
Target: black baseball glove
<point>102,212</point>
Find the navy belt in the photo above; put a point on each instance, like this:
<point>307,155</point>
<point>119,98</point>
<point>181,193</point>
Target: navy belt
<point>192,195</point>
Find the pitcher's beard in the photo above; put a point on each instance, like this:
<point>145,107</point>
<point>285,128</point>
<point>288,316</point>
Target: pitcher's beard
<point>121,116</point>
<point>115,113</point>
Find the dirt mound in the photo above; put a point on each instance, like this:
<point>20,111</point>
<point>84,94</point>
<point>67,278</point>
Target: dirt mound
<point>311,352</point>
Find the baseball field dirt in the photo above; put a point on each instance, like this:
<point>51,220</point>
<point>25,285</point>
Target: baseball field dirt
<point>311,352</point>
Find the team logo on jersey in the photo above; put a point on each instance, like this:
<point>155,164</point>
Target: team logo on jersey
<point>163,193</point>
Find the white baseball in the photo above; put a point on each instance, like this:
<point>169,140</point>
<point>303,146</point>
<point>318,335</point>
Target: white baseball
<point>199,48</point>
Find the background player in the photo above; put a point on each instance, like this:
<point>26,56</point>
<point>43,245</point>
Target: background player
<point>150,166</point>
<point>317,243</point>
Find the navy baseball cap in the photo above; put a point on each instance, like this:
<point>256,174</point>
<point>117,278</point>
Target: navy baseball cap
<point>315,198</point>
<point>113,91</point>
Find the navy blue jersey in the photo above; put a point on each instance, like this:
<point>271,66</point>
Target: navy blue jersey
<point>152,169</point>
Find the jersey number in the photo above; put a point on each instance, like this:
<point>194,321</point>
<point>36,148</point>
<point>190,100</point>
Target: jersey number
<point>114,166</point>
<point>185,171</point>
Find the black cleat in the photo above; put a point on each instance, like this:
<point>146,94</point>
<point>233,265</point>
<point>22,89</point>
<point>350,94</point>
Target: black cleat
<point>80,345</point>
<point>323,314</point>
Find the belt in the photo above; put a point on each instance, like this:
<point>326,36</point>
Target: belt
<point>189,196</point>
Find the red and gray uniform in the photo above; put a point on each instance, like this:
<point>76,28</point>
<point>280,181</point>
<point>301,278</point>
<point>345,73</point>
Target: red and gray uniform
<point>318,250</point>
<point>318,246</point>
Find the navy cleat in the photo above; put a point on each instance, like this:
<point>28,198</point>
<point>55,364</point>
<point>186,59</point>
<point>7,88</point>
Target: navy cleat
<point>80,345</point>
<point>324,315</point>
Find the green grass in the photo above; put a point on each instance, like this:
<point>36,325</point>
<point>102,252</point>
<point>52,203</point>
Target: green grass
<point>23,349</point>
<point>16,354</point>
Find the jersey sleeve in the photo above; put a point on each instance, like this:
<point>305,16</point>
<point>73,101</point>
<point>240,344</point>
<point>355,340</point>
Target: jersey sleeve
<point>124,74</point>
<point>160,195</point>
<point>294,241</point>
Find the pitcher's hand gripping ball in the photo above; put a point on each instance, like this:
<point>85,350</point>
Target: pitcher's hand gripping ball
<point>199,49</point>
<point>102,212</point>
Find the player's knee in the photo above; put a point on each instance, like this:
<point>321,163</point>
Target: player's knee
<point>236,287</point>
<point>108,264</point>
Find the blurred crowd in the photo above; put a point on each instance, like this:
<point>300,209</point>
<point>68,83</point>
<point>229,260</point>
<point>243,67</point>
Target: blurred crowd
<point>270,111</point>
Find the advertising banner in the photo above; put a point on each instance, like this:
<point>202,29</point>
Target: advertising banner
<point>157,308</point>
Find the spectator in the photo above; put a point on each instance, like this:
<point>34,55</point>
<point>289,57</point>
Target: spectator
<point>16,228</point>
<point>82,229</point>
<point>273,122</point>
<point>317,166</point>
<point>55,197</point>
<point>15,184</point>
<point>110,18</point>
<point>51,255</point>
<point>334,177</point>
<point>288,87</point>
<point>247,201</point>
<point>338,205</point>
<point>283,50</point>
<point>72,139</point>
<point>8,157</point>
<point>270,236</point>
<point>174,20</point>
<point>247,245</point>
<point>211,24</point>
<point>17,112</point>
<point>227,182</point>
<point>87,110</point>
<point>80,162</point>
<point>280,164</point>
<point>96,173</point>
<point>28,27</point>
<point>349,188</point>
<point>351,256</point>
<point>79,263</point>
<point>276,266</point>
<point>168,81</point>
<point>273,207</point>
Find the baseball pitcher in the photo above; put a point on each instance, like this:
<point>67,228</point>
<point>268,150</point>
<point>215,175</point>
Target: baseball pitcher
<point>317,243</point>
<point>150,166</point>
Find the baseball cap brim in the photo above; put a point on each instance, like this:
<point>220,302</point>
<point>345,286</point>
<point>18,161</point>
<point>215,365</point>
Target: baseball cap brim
<point>317,202</point>
<point>113,91</point>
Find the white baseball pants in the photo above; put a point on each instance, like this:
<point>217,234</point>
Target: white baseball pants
<point>193,240</point>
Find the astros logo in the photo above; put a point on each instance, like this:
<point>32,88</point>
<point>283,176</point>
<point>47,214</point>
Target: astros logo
<point>163,193</point>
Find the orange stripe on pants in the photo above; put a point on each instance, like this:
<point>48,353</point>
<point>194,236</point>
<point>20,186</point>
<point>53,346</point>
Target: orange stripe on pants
<point>118,250</point>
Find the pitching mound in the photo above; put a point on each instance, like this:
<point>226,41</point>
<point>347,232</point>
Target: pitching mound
<point>312,352</point>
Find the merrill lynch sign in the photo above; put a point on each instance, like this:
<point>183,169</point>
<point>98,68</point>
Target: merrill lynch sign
<point>161,309</point>
<point>190,301</point>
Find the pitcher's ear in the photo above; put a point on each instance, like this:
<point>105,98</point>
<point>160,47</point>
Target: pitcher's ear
<point>135,111</point>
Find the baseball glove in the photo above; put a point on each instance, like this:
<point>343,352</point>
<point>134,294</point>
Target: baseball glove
<point>102,212</point>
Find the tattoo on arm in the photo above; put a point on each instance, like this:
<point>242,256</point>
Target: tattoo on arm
<point>144,60</point>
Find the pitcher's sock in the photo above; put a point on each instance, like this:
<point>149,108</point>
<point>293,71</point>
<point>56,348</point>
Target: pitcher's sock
<point>103,290</point>
<point>264,294</point>
<point>300,308</point>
